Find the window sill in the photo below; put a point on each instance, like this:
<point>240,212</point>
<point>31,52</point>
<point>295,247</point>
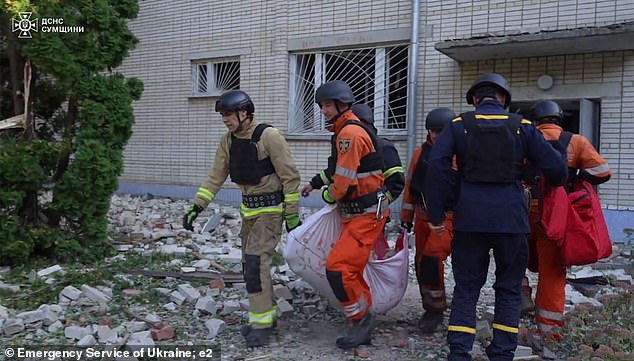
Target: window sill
<point>205,95</point>
<point>326,136</point>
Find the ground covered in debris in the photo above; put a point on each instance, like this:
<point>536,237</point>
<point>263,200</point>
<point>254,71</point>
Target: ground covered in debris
<point>168,286</point>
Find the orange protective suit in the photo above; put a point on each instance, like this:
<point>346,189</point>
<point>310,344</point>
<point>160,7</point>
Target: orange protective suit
<point>431,248</point>
<point>550,298</point>
<point>351,252</point>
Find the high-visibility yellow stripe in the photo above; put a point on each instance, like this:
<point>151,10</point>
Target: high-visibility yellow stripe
<point>524,121</point>
<point>464,329</point>
<point>250,212</point>
<point>458,119</point>
<point>205,193</point>
<point>323,177</point>
<point>505,328</point>
<point>491,116</point>
<point>390,172</point>
<point>291,197</point>
<point>265,318</point>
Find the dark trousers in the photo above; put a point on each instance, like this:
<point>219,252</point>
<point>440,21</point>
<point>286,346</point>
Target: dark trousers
<point>470,261</point>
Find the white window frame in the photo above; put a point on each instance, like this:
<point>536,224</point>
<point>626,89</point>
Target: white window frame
<point>215,87</point>
<point>380,99</point>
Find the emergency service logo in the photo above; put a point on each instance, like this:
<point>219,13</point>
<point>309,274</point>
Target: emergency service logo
<point>344,145</point>
<point>23,25</point>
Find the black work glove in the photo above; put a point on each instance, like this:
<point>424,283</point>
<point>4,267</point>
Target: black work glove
<point>407,225</point>
<point>189,217</point>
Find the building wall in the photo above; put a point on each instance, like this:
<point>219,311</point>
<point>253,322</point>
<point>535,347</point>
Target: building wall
<point>444,81</point>
<point>175,135</point>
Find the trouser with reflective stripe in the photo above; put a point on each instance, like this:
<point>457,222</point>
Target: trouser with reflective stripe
<point>347,260</point>
<point>470,261</point>
<point>431,250</point>
<point>550,298</point>
<point>260,235</point>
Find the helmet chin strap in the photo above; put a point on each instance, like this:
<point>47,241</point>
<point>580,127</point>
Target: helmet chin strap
<point>339,112</point>
<point>241,121</point>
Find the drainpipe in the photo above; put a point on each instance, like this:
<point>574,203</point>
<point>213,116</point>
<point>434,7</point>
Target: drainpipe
<point>412,83</point>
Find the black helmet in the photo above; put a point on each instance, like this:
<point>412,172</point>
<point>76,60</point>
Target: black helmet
<point>490,79</point>
<point>334,90</point>
<point>363,112</point>
<point>546,109</point>
<point>235,100</point>
<point>438,118</point>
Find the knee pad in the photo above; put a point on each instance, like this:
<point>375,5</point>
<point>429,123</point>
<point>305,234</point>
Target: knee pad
<point>251,271</point>
<point>336,283</point>
<point>430,270</point>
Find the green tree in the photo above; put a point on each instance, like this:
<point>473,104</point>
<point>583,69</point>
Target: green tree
<point>58,174</point>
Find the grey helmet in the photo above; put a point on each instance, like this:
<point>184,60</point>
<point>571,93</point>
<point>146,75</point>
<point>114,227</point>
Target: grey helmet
<point>493,80</point>
<point>334,90</point>
<point>235,100</point>
<point>546,110</point>
<point>438,118</point>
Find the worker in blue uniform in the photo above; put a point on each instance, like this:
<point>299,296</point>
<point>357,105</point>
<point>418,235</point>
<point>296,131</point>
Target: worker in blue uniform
<point>491,212</point>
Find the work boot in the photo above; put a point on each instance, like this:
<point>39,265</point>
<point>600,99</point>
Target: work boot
<point>256,337</point>
<point>246,329</point>
<point>360,333</point>
<point>430,321</point>
<point>527,304</point>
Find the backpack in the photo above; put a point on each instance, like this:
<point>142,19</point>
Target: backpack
<point>571,216</point>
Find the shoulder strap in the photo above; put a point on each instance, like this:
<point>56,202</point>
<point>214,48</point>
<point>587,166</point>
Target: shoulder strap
<point>257,133</point>
<point>515,120</point>
<point>367,129</point>
<point>564,139</point>
<point>468,121</point>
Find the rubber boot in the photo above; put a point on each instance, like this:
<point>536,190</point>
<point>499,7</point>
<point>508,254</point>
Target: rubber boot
<point>360,333</point>
<point>257,337</point>
<point>527,304</point>
<point>430,321</point>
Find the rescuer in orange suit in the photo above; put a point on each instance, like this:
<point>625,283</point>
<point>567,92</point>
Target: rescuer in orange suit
<point>583,162</point>
<point>357,188</point>
<point>431,248</point>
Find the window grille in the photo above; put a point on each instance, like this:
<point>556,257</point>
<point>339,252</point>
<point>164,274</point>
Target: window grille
<point>214,77</point>
<point>377,77</point>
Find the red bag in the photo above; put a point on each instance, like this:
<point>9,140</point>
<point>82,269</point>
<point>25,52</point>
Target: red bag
<point>574,221</point>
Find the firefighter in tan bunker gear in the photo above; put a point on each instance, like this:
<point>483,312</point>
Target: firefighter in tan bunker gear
<point>257,158</point>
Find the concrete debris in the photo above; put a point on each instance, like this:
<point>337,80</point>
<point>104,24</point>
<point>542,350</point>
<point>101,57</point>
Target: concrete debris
<point>207,305</point>
<point>13,326</point>
<point>283,292</point>
<point>94,294</point>
<point>49,271</point>
<point>198,292</point>
<point>191,294</point>
<point>77,332</point>
<point>214,326</point>
<point>177,297</point>
<point>86,341</point>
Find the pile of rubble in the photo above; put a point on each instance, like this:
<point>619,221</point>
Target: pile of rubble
<point>198,295</point>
